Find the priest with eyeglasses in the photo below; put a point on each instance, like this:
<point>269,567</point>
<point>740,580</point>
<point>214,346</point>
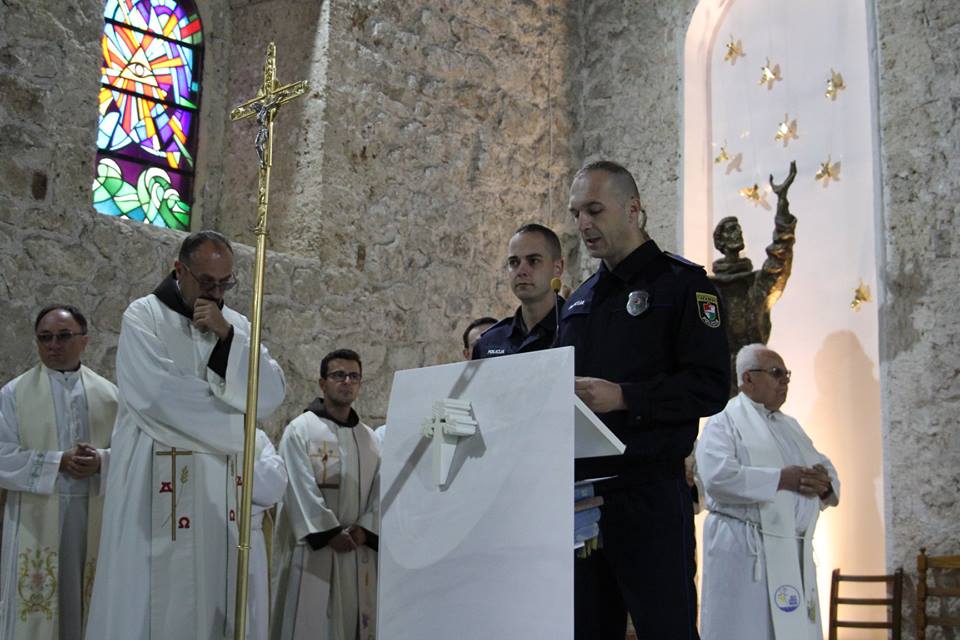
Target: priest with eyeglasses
<point>168,548</point>
<point>329,524</point>
<point>55,426</point>
<point>765,486</point>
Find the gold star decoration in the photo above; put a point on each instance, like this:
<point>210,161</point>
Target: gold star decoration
<point>860,295</point>
<point>828,171</point>
<point>755,195</point>
<point>723,157</point>
<point>734,51</point>
<point>834,85</point>
<point>769,74</point>
<point>787,130</point>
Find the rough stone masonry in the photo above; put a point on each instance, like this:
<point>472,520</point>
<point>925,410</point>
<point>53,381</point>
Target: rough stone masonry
<point>433,130</point>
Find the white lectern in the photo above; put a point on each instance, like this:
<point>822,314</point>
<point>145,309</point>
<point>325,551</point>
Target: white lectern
<point>476,538</point>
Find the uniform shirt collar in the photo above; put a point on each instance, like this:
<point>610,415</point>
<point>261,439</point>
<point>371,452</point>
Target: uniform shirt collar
<point>547,324</point>
<point>633,264</point>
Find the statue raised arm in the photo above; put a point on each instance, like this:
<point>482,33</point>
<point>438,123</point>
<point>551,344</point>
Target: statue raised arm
<point>747,295</point>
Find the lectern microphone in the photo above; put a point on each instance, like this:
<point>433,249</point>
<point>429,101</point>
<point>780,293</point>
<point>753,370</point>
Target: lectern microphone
<point>555,284</point>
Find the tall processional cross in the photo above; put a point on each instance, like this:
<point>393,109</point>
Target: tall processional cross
<point>264,106</point>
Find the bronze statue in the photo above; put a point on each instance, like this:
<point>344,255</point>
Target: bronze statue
<point>748,295</point>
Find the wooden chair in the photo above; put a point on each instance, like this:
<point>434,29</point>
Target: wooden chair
<point>925,562</point>
<point>894,584</point>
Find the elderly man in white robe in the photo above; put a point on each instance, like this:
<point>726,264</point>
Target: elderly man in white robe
<point>55,426</point>
<point>329,522</point>
<point>168,556</point>
<point>765,486</point>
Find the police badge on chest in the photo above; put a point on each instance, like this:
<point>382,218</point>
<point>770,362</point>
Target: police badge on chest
<point>638,302</point>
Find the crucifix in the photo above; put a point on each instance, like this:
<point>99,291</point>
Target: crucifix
<point>264,106</point>
<point>172,486</point>
<point>325,454</point>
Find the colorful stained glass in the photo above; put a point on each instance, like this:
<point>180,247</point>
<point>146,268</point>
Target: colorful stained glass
<point>144,129</point>
<point>145,64</point>
<point>149,96</point>
<point>170,18</point>
<point>128,189</point>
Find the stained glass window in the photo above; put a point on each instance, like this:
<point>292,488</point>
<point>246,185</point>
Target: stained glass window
<point>149,101</point>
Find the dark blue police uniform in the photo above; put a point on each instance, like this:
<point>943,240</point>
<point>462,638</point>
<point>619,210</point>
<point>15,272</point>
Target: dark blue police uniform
<point>652,325</point>
<point>509,336</point>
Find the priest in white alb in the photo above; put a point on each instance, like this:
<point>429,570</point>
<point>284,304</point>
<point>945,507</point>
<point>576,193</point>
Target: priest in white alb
<point>765,486</point>
<point>55,426</point>
<point>329,522</point>
<point>168,548</point>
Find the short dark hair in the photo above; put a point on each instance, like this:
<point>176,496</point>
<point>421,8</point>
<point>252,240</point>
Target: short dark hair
<point>69,308</point>
<point>621,176</point>
<point>556,251</point>
<point>479,322</point>
<point>720,225</point>
<point>339,354</point>
<point>193,242</point>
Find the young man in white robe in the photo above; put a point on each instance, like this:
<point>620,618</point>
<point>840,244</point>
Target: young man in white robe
<point>269,485</point>
<point>168,559</point>
<point>55,426</point>
<point>765,486</point>
<point>329,522</point>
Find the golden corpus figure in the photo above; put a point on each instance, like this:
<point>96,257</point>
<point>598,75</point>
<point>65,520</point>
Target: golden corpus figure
<point>264,106</point>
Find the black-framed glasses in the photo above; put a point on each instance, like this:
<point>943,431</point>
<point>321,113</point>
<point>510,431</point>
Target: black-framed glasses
<point>776,372</point>
<point>63,336</point>
<point>207,283</point>
<point>341,376</point>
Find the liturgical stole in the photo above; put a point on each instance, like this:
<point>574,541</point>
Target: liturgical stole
<point>39,535</point>
<point>792,592</point>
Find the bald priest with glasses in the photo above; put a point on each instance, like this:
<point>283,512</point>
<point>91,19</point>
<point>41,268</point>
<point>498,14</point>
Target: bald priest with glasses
<point>55,425</point>
<point>765,485</point>
<point>170,523</point>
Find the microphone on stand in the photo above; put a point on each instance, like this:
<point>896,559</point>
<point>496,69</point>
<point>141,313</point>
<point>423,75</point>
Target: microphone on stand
<point>556,284</point>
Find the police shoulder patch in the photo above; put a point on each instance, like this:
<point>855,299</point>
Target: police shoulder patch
<point>708,309</point>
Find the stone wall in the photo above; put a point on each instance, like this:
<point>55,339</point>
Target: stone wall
<point>433,129</point>
<point>920,332</point>
<point>52,246</point>
<point>625,61</point>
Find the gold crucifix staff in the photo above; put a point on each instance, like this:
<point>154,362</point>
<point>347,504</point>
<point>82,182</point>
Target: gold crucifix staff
<point>264,106</point>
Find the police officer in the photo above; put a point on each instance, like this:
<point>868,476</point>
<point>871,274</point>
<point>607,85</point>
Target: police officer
<point>534,260</point>
<point>651,359</point>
